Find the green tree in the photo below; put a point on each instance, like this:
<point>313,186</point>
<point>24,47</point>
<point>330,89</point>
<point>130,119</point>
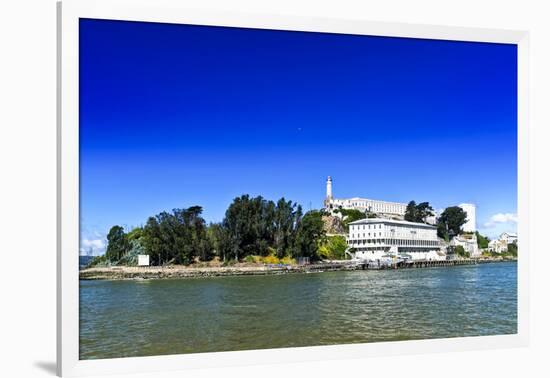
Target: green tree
<point>482,241</point>
<point>286,218</point>
<point>135,234</point>
<point>450,222</point>
<point>131,258</point>
<point>424,211</point>
<point>460,251</point>
<point>333,248</point>
<point>410,212</point>
<point>190,237</point>
<point>351,215</point>
<point>309,235</point>
<point>512,250</point>
<point>153,242</point>
<point>220,241</point>
<point>178,237</point>
<point>98,261</point>
<point>117,245</point>
<point>256,226</point>
<point>251,226</point>
<point>418,212</point>
<point>249,222</point>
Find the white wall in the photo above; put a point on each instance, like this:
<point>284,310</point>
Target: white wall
<point>27,156</point>
<point>143,260</point>
<point>470,209</point>
<point>375,206</point>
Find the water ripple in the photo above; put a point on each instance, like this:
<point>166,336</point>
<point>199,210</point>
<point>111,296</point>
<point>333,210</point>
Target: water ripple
<point>129,318</point>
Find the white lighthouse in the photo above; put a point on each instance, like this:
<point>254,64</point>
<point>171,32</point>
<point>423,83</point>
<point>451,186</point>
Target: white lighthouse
<point>329,188</point>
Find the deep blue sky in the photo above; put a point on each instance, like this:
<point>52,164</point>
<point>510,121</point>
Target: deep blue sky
<point>175,116</point>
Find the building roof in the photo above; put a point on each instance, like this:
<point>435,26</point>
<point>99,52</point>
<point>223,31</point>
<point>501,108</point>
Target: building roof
<point>510,234</point>
<point>391,221</point>
<point>369,199</point>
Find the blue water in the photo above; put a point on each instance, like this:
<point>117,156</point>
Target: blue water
<point>154,317</point>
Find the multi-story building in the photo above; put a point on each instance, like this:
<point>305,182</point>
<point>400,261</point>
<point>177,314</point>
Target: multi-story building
<point>378,238</point>
<point>391,210</point>
<point>381,208</point>
<point>470,210</point>
<point>500,245</point>
<point>469,243</point>
<point>509,237</point>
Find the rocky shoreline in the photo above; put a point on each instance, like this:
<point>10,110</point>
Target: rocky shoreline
<point>180,271</point>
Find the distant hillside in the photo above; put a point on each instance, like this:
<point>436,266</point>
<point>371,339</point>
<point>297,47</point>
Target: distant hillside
<point>83,261</point>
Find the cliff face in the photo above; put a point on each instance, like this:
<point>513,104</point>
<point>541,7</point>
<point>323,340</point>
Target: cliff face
<point>333,225</point>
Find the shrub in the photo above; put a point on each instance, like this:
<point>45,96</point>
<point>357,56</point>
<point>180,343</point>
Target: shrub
<point>512,250</point>
<point>270,260</point>
<point>460,251</point>
<point>250,259</point>
<point>288,260</point>
<point>334,248</point>
<point>229,263</point>
<point>99,261</point>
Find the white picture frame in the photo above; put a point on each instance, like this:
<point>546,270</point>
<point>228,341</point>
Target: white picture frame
<point>171,11</point>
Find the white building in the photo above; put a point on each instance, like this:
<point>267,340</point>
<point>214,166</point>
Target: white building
<point>381,208</point>
<point>469,243</point>
<point>500,245</point>
<point>432,219</point>
<point>509,237</point>
<point>470,210</point>
<point>378,239</point>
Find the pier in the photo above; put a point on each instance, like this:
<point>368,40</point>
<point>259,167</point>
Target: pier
<point>160,272</point>
<point>373,265</point>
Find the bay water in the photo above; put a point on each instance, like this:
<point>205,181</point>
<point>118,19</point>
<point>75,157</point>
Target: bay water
<point>175,316</point>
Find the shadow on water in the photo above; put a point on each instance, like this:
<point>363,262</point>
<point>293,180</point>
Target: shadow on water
<point>47,366</point>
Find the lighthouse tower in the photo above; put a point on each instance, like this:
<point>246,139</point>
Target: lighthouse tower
<point>329,189</point>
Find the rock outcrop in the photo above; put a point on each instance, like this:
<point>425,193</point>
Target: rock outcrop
<point>333,225</point>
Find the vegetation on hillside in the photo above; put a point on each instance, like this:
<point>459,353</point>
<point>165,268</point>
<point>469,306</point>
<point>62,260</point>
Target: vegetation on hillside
<point>461,252</point>
<point>253,228</point>
<point>352,215</point>
<point>511,253</point>
<point>333,248</point>
<point>512,250</point>
<point>482,241</point>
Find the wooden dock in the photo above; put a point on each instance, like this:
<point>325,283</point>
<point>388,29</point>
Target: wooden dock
<point>415,264</point>
<point>373,265</point>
